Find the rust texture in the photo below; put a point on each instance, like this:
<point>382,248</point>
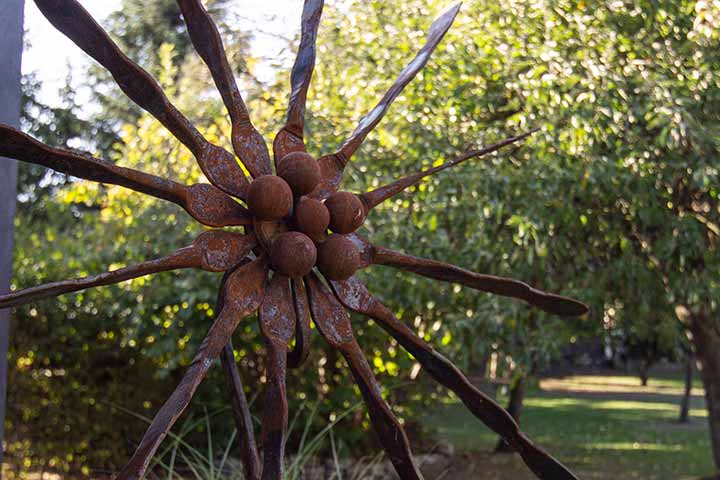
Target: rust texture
<point>205,203</point>
<point>376,197</point>
<point>214,251</point>
<point>75,22</point>
<point>277,323</point>
<point>242,294</point>
<point>293,254</point>
<point>333,165</point>
<point>249,456</point>
<point>247,142</point>
<point>300,171</point>
<point>354,295</point>
<point>299,229</point>
<point>290,138</point>
<point>333,323</point>
<point>270,198</point>
<point>311,217</point>
<point>301,350</point>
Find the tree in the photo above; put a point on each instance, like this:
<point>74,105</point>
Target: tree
<point>60,125</point>
<point>481,217</point>
<point>684,415</point>
<point>619,185</point>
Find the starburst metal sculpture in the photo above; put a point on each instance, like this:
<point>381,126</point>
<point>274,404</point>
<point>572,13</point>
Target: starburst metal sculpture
<point>276,266</point>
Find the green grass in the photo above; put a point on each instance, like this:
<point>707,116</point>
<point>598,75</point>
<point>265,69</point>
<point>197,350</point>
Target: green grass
<point>629,434</point>
<point>660,382</point>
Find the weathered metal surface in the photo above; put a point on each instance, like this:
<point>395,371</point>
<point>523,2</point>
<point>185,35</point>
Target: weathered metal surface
<point>214,251</point>
<point>77,24</point>
<point>244,291</point>
<point>333,165</point>
<point>312,218</point>
<point>207,204</point>
<point>334,325</point>
<point>365,249</point>
<point>247,142</point>
<point>338,258</point>
<point>274,220</point>
<point>376,197</point>
<point>293,254</point>
<point>506,287</point>
<point>353,294</point>
<point>347,212</point>
<point>301,350</point>
<point>277,324</point>
<point>268,231</point>
<point>212,207</point>
<point>270,198</point>
<point>301,171</point>
<point>249,456</point>
<point>290,137</point>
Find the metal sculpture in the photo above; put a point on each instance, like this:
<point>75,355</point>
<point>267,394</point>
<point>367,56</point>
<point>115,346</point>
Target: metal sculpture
<point>275,268</point>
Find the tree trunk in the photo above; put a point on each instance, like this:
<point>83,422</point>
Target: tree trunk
<point>685,402</point>
<point>706,340</point>
<point>644,372</point>
<point>514,408</point>
<point>11,45</point>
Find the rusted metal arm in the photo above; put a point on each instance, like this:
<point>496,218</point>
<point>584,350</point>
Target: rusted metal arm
<point>77,24</point>
<point>333,165</point>
<point>241,414</point>
<point>214,251</point>
<point>376,197</point>
<point>277,323</point>
<point>241,410</point>
<point>507,287</point>
<point>244,291</point>
<point>290,137</point>
<point>205,203</point>
<point>301,350</point>
<point>334,325</point>
<point>247,142</point>
<point>353,294</point>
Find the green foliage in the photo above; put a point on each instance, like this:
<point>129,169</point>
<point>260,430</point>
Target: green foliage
<point>613,201</point>
<point>60,126</point>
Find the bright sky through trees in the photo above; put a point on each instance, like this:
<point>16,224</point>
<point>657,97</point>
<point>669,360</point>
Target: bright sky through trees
<point>50,52</point>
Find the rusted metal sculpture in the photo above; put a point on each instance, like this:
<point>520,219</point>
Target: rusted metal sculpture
<point>275,268</point>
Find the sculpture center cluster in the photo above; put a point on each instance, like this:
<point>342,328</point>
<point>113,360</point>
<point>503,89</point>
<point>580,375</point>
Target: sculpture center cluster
<point>300,232</point>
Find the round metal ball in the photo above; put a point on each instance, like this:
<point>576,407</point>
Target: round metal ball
<point>338,258</point>
<point>347,212</point>
<point>269,198</point>
<point>311,216</point>
<point>300,171</point>
<point>293,254</point>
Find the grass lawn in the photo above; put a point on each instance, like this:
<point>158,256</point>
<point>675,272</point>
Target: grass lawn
<point>602,427</point>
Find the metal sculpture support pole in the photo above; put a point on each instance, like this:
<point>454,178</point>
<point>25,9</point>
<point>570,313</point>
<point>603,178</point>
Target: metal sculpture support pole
<point>11,43</point>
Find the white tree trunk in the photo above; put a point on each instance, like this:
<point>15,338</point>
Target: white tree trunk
<point>11,46</point>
